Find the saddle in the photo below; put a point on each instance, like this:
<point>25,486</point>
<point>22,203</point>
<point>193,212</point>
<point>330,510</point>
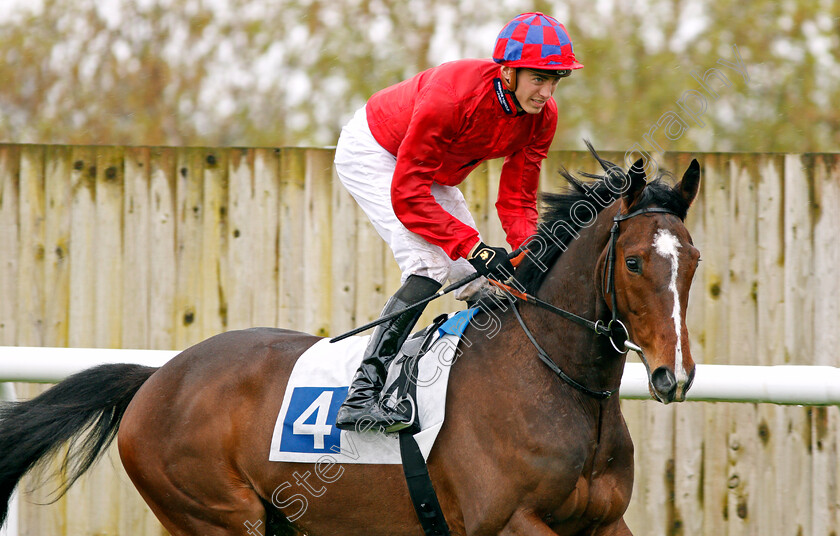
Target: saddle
<point>305,431</point>
<point>401,384</point>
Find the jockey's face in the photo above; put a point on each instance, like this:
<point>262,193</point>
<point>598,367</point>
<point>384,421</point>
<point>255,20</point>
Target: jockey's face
<point>533,88</point>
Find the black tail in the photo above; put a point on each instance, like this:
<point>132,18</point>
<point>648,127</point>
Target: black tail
<point>93,400</point>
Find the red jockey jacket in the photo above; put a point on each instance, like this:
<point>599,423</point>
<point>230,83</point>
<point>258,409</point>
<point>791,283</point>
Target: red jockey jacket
<point>442,123</point>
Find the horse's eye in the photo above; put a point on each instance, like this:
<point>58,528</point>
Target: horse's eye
<point>634,264</point>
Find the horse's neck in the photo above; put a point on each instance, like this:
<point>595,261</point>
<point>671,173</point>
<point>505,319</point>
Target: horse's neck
<point>571,285</point>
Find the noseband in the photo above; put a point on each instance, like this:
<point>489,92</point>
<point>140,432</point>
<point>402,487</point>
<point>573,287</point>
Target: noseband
<point>615,330</point>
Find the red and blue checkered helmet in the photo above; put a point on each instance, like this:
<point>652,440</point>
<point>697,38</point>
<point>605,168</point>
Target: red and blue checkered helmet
<point>535,41</point>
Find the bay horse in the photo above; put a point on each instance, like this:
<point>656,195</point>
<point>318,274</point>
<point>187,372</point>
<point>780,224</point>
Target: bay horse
<point>522,451</point>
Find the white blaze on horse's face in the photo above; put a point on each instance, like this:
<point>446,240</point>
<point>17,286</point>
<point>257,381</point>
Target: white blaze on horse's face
<point>667,245</point>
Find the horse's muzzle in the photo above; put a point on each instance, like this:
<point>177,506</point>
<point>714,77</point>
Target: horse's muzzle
<point>664,385</point>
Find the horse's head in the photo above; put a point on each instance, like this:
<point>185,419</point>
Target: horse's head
<point>653,264</point>
<point>629,235</point>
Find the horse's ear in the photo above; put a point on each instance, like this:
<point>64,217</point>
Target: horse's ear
<point>690,183</point>
<point>638,181</point>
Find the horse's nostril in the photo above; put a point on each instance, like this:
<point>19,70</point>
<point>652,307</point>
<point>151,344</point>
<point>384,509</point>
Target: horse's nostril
<point>664,382</point>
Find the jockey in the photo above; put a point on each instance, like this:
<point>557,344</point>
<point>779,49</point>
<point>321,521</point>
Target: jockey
<point>404,152</point>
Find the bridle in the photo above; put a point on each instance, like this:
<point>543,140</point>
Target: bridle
<point>615,330</point>
<point>615,324</point>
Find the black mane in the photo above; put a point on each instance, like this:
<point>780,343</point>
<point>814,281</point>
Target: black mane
<point>557,226</point>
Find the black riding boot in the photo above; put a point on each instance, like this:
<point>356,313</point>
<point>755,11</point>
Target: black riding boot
<point>362,405</point>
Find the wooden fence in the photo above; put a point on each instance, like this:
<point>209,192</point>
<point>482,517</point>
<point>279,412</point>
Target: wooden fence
<point>162,247</point>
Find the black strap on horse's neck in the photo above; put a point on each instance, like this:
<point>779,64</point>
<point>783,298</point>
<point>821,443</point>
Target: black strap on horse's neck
<point>420,488</point>
<point>545,358</point>
<point>598,327</point>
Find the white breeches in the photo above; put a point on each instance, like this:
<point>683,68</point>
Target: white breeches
<point>366,170</point>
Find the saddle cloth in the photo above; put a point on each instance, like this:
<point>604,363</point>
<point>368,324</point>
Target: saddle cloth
<point>305,428</point>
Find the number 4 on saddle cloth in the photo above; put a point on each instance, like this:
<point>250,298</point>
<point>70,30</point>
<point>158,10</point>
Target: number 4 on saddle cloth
<point>305,429</point>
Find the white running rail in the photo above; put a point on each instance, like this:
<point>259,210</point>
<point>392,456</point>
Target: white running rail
<point>783,384</point>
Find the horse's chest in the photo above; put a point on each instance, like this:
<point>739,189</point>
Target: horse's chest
<point>602,490</point>
<point>597,500</point>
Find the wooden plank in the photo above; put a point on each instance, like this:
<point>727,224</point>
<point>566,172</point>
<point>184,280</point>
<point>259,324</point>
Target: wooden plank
<point>162,248</point>
<point>266,248</point>
<point>794,471</point>
<point>108,246</point>
<point>32,215</point>
<point>188,246</point>
<point>492,232</point>
<point>9,241</point>
<point>826,283</point>
<point>317,251</point>
<point>770,348</point>
<point>742,479</point>
<point>82,248</point>
<point>83,272</point>
<point>344,256</point>
<point>716,283</point>
<point>56,273</point>
<point>57,244</point>
<point>550,179</point>
<point>686,515</point>
<point>137,271</point>
<point>636,515</point>
<point>30,298</point>
<point>475,190</point>
<point>253,238</point>
<point>292,294</point>
<point>217,280</point>
<point>655,474</point>
<point>244,234</point>
<point>770,263</point>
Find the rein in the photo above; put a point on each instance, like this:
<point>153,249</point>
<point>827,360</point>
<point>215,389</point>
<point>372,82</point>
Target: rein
<point>550,363</point>
<point>615,330</point>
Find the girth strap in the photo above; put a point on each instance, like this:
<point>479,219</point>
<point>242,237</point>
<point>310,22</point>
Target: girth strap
<point>420,488</point>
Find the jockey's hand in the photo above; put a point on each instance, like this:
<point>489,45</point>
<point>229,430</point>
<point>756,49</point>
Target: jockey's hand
<point>491,262</point>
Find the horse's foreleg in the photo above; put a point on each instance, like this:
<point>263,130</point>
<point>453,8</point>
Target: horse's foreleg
<point>526,523</point>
